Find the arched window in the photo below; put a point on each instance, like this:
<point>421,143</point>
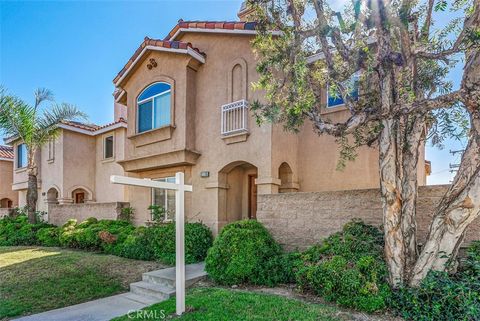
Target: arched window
<point>154,107</point>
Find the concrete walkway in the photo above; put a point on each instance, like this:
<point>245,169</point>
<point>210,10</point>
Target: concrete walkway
<point>156,286</point>
<point>97,310</point>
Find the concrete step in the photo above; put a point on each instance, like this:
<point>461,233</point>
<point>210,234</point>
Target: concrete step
<point>158,291</point>
<point>143,299</point>
<point>166,277</point>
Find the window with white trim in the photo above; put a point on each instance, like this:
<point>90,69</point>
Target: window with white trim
<point>108,147</point>
<point>153,107</point>
<point>335,99</point>
<point>165,198</point>
<point>51,149</point>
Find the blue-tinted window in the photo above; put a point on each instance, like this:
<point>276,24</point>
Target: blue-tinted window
<point>22,156</point>
<point>154,107</point>
<point>335,99</point>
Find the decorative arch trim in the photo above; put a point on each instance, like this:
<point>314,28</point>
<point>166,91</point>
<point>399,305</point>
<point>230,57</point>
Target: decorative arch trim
<point>244,90</point>
<point>86,189</point>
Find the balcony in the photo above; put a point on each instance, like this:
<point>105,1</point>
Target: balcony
<point>235,118</point>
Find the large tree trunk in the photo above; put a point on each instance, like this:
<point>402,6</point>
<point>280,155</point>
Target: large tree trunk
<point>32,196</point>
<point>413,135</point>
<point>392,205</point>
<point>32,189</point>
<point>461,204</point>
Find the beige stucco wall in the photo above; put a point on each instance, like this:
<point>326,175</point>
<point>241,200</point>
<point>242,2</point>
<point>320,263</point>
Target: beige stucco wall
<point>298,220</point>
<point>77,162</point>
<point>104,168</point>
<point>60,214</point>
<point>6,180</point>
<point>199,91</point>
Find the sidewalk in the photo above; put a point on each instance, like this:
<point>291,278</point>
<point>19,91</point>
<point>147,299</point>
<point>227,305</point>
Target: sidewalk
<point>97,310</point>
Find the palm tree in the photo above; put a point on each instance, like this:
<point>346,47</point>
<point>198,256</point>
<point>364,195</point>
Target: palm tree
<point>34,127</point>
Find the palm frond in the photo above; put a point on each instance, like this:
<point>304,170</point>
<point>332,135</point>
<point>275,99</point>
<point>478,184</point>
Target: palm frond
<point>17,118</point>
<point>48,123</point>
<point>41,95</point>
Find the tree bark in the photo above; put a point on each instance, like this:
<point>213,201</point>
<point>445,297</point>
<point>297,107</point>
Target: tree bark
<point>409,190</point>
<point>32,188</point>
<point>392,205</point>
<point>32,196</point>
<point>461,204</point>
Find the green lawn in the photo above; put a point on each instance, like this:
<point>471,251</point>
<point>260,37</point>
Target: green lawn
<point>36,279</point>
<point>214,304</point>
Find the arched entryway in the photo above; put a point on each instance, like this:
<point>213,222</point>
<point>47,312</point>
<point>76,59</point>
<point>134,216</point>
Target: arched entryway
<point>240,198</point>
<point>285,174</point>
<point>6,203</point>
<point>79,196</point>
<point>52,196</point>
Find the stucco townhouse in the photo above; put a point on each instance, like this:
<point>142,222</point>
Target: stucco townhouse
<point>75,167</point>
<point>8,197</point>
<point>182,104</point>
<point>188,97</point>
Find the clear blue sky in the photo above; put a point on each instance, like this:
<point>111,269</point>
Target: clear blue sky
<point>75,48</point>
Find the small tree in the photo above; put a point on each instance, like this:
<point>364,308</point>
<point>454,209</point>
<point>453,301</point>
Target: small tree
<point>34,128</point>
<point>404,98</point>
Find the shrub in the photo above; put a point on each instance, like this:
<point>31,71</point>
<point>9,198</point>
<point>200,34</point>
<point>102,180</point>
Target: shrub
<point>442,296</point>
<point>126,214</point>
<point>17,231</point>
<point>348,268</point>
<point>138,245</point>
<point>198,239</point>
<point>281,269</point>
<point>88,234</point>
<point>240,254</point>
<point>49,236</point>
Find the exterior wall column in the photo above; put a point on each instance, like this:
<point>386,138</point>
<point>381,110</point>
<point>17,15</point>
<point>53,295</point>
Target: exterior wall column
<point>220,191</point>
<point>65,200</point>
<point>267,185</point>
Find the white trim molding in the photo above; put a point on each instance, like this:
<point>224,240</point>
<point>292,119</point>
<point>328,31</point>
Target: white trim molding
<point>188,51</point>
<point>231,31</point>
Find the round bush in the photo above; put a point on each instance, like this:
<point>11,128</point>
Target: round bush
<point>198,239</point>
<point>240,253</point>
<point>138,245</point>
<point>348,268</point>
<point>17,231</point>
<point>49,236</point>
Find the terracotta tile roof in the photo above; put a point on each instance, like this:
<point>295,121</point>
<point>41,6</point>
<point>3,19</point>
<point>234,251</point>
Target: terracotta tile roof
<point>6,152</point>
<point>157,43</point>
<point>120,120</point>
<point>225,25</point>
<point>92,127</point>
<point>76,124</point>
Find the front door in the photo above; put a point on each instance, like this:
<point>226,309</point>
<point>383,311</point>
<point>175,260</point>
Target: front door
<point>252,197</point>
<point>80,198</point>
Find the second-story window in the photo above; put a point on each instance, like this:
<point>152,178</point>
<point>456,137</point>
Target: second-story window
<point>51,149</point>
<point>335,99</point>
<point>154,107</point>
<point>22,156</point>
<point>108,147</point>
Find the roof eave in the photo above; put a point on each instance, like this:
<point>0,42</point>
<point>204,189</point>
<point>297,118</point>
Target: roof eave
<point>188,51</point>
<point>228,31</point>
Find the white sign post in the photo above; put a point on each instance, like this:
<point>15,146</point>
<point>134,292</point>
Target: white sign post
<point>180,188</point>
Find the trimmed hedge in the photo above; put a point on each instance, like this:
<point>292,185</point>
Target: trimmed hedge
<point>158,242</point>
<point>17,231</point>
<point>348,268</point>
<point>119,238</point>
<point>242,253</point>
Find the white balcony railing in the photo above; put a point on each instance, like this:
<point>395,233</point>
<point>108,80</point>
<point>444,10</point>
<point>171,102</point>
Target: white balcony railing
<point>234,117</point>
